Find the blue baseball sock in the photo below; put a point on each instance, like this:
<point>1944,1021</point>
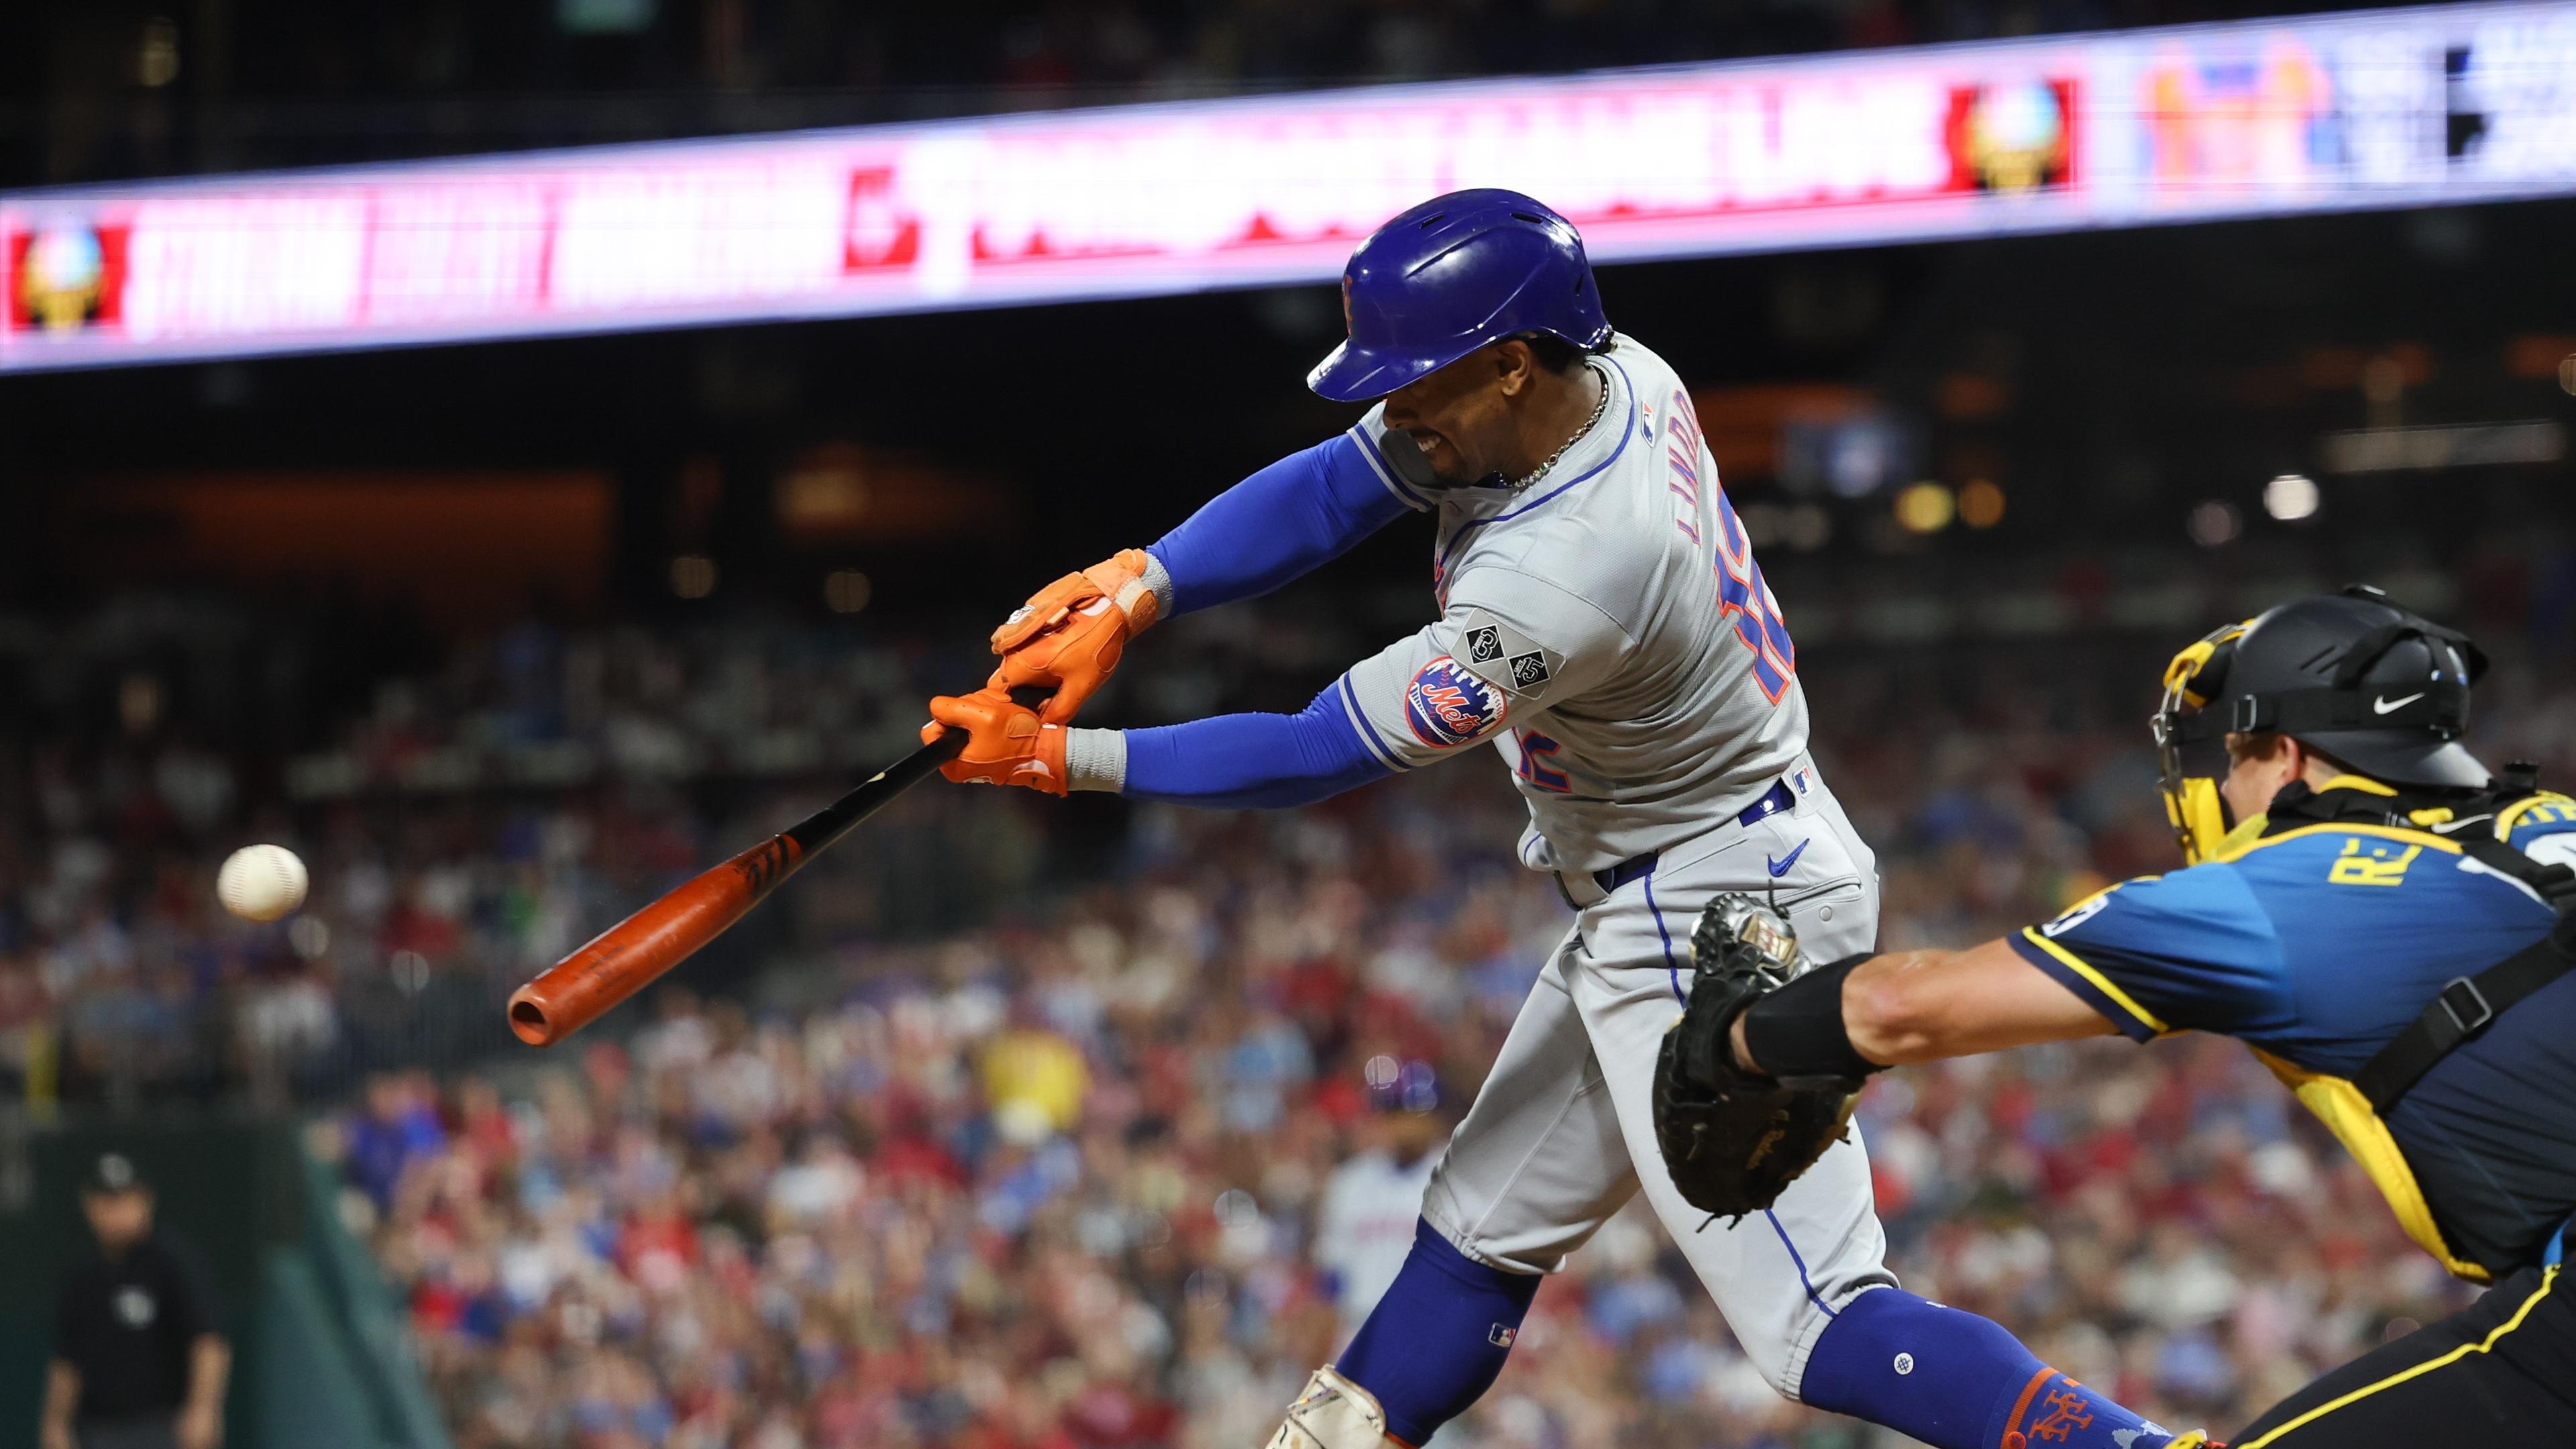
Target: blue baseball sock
<point>1957,1381</point>
<point>1435,1342</point>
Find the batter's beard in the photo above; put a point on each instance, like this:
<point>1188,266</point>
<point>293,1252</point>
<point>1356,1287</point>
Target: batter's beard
<point>1445,477</point>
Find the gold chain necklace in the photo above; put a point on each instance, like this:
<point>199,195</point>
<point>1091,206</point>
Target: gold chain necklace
<point>1598,408</point>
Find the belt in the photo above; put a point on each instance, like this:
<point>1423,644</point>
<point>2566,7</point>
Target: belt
<point>1774,801</point>
<point>1635,867</point>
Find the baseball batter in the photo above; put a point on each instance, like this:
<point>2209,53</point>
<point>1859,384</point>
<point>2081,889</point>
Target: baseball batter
<point>1604,625</point>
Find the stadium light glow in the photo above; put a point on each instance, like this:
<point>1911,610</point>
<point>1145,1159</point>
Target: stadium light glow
<point>1981,503</point>
<point>2429,106</point>
<point>1925,507</point>
<point>2290,497</point>
<point>846,591</point>
<point>693,576</point>
<point>2214,524</point>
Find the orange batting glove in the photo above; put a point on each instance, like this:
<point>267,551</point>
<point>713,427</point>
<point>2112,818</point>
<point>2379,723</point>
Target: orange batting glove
<point>1006,743</point>
<point>1068,636</point>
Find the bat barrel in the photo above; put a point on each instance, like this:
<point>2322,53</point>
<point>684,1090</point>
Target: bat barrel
<point>529,1018</point>
<point>559,1003</point>
<point>630,955</point>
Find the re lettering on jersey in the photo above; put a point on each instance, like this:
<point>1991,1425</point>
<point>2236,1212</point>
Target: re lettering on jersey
<point>1446,705</point>
<point>2378,865</point>
<point>1742,593</point>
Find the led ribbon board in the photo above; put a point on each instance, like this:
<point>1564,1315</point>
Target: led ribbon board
<point>2388,108</point>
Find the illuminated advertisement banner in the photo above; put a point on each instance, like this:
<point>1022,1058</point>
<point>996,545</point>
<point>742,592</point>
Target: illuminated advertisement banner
<point>2378,109</point>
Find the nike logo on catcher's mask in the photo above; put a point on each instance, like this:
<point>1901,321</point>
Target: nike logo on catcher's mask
<point>2383,706</point>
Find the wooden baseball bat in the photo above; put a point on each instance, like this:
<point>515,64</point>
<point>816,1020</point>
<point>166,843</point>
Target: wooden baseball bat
<point>626,957</point>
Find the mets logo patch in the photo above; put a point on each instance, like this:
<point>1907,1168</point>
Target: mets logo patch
<point>1446,705</point>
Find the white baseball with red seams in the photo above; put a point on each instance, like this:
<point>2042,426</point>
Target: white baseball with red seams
<point>261,882</point>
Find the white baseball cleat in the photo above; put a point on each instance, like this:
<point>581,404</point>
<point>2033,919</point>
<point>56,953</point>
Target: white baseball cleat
<point>1332,1413</point>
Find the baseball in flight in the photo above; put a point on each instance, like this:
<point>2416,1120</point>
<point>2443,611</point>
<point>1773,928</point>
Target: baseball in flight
<point>261,882</point>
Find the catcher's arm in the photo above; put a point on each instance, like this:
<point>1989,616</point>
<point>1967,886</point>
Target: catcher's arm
<point>1909,1006</point>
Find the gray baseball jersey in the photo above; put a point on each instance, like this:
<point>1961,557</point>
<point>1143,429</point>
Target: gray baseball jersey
<point>1606,628</point>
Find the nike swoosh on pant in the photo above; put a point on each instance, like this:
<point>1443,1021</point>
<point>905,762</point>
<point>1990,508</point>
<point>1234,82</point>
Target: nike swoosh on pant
<point>1781,867</point>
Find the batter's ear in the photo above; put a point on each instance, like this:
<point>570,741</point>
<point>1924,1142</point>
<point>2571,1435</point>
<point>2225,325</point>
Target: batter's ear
<point>1515,363</point>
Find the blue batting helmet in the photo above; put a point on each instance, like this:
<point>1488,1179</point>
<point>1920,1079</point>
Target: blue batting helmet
<point>1451,275</point>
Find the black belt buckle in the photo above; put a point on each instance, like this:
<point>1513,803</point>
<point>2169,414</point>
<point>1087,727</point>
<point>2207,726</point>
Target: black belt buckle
<point>2467,1005</point>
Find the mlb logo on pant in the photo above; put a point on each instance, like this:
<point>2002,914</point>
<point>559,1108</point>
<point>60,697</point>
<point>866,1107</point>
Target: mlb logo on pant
<point>1501,1335</point>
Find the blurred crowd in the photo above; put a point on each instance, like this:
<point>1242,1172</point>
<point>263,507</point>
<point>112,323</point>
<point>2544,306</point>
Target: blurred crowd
<point>1122,1174</point>
<point>468,823</point>
<point>1033,1124</point>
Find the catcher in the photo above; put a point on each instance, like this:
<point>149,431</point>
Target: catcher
<point>2381,919</point>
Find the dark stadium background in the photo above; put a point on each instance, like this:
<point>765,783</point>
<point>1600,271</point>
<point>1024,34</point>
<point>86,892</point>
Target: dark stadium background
<point>2130,393</point>
<point>2108,383</point>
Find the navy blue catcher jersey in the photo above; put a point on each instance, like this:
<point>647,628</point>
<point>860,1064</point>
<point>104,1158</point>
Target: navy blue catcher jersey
<point>2317,946</point>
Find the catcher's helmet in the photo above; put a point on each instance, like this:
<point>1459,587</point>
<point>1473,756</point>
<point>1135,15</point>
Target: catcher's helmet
<point>2380,689</point>
<point>1451,275</point>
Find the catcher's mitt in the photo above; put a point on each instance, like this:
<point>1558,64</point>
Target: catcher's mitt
<point>1734,1140</point>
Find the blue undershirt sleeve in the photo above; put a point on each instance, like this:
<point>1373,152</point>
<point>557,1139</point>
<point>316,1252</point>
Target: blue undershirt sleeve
<point>1264,760</point>
<point>1276,525</point>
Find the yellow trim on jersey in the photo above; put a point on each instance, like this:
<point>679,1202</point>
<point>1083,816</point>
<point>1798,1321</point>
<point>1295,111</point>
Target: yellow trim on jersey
<point>2561,808</point>
<point>2073,906</point>
<point>2348,1115</point>
<point>2102,983</point>
<point>2246,832</point>
<point>2384,832</point>
<point>2363,783</point>
<point>2548,1280</point>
